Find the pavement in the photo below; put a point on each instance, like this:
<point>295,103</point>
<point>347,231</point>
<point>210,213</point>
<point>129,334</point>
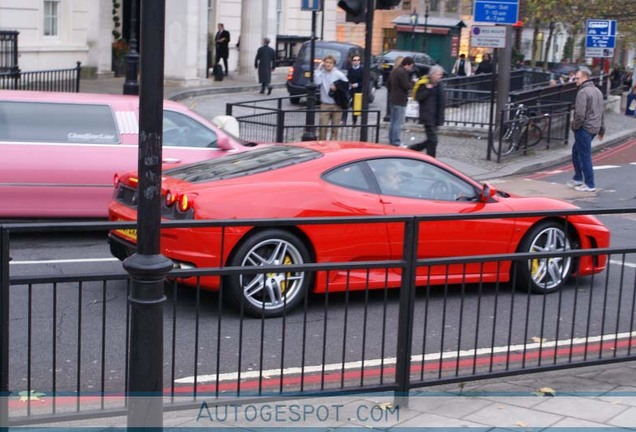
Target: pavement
<point>584,398</point>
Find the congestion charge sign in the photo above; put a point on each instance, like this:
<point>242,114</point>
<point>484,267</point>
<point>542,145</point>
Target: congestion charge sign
<point>600,38</point>
<point>496,11</point>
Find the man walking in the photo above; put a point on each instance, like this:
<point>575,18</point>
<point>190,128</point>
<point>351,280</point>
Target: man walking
<point>399,85</point>
<point>329,80</point>
<point>354,74</point>
<point>265,62</point>
<point>588,121</point>
<point>430,97</point>
<point>222,40</point>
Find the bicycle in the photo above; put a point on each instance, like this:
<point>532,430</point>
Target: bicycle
<point>521,129</point>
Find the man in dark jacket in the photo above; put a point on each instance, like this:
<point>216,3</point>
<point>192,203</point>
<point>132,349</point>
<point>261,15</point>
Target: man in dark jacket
<point>265,62</point>
<point>222,40</point>
<point>431,100</point>
<point>399,85</point>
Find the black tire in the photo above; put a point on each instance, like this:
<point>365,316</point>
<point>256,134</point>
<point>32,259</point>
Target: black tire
<point>535,135</point>
<point>271,294</point>
<point>294,100</point>
<point>544,275</point>
<point>507,142</point>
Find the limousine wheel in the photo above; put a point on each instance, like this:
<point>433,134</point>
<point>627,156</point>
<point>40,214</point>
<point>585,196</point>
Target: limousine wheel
<point>543,275</point>
<point>269,294</point>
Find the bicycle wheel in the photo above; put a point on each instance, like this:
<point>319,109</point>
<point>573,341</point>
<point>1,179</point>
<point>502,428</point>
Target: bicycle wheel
<point>507,140</point>
<point>535,134</point>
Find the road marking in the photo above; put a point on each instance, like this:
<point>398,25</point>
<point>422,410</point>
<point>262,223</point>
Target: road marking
<point>626,264</point>
<point>320,369</point>
<point>63,261</point>
<point>602,167</point>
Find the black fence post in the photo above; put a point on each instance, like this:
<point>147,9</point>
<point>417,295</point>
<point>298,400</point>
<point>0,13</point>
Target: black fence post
<point>78,73</point>
<point>4,328</point>
<point>280,125</point>
<point>406,311</point>
<point>310,130</point>
<point>148,267</point>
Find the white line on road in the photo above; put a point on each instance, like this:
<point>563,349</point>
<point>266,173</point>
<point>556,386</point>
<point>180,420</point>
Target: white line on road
<point>63,261</point>
<point>602,167</point>
<point>274,373</point>
<point>626,264</point>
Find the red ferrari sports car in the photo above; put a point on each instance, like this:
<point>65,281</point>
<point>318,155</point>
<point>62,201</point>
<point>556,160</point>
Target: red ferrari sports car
<point>334,179</point>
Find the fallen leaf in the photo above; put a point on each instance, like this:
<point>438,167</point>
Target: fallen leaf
<point>33,395</point>
<point>384,406</point>
<point>545,391</point>
<point>521,424</point>
<point>538,339</point>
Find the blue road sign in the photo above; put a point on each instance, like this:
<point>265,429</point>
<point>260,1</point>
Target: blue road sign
<point>600,38</point>
<point>496,11</point>
<point>310,5</point>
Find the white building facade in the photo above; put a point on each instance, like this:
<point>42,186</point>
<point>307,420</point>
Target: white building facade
<point>57,33</point>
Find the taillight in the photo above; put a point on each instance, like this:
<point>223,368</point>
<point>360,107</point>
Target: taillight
<point>133,180</point>
<point>184,203</point>
<point>170,199</point>
<point>116,180</point>
<point>290,73</point>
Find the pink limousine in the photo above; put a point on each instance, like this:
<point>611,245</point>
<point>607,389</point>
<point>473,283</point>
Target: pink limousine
<point>59,152</point>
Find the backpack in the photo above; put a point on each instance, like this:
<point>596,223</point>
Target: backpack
<point>423,80</point>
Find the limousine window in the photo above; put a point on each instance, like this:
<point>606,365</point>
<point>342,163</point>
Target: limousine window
<point>182,131</point>
<point>57,122</point>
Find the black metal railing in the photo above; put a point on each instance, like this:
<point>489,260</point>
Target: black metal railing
<point>266,120</point>
<point>55,80</point>
<point>67,333</point>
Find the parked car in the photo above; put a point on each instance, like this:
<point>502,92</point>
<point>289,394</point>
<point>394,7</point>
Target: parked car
<point>385,61</point>
<point>298,75</point>
<point>336,179</point>
<point>59,151</point>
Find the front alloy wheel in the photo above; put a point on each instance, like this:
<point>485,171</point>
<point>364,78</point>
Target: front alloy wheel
<point>269,294</point>
<point>543,275</point>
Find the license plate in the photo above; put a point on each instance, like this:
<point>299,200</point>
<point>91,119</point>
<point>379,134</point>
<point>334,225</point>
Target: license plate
<point>128,232</point>
<point>307,74</point>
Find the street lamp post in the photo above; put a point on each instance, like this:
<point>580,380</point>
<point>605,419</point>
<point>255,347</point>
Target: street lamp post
<point>131,85</point>
<point>425,47</point>
<point>414,18</point>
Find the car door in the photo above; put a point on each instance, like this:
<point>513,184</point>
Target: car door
<point>352,193</point>
<point>422,188</point>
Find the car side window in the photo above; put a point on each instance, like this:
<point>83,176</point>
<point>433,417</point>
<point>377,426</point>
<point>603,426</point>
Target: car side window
<point>350,176</point>
<point>414,178</point>
<point>179,130</point>
<point>57,122</point>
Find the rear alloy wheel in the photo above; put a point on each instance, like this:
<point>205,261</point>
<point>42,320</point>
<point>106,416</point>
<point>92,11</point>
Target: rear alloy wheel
<point>269,294</point>
<point>544,275</point>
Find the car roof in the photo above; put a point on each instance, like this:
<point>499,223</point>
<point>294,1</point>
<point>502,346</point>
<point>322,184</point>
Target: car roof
<point>119,102</point>
<point>320,155</point>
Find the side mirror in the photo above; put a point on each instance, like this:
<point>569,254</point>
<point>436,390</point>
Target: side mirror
<point>228,124</point>
<point>487,192</point>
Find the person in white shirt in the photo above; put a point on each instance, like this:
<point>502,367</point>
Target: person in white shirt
<point>326,77</point>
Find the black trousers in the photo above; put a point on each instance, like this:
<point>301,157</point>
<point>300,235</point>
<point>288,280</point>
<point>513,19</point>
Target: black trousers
<point>431,141</point>
<point>219,58</point>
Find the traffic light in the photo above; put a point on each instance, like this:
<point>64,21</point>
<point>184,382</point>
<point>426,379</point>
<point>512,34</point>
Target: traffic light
<point>356,10</point>
<point>386,4</point>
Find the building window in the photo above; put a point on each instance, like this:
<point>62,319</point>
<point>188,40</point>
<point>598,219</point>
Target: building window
<point>279,15</point>
<point>433,5</point>
<point>51,17</point>
<point>406,4</point>
<point>452,6</point>
<point>389,39</point>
